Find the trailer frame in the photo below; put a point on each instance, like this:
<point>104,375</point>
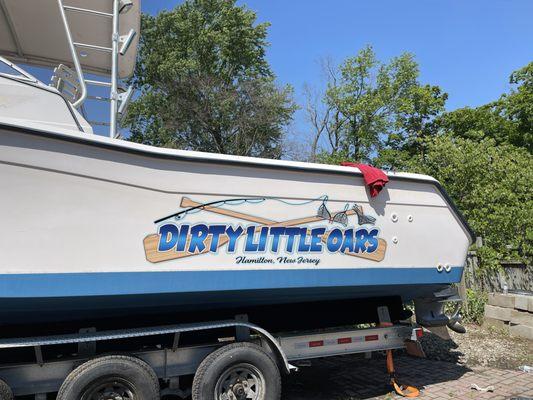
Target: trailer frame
<point>45,376</point>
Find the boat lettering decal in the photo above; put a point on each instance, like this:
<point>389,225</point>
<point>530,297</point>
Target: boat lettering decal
<point>293,241</point>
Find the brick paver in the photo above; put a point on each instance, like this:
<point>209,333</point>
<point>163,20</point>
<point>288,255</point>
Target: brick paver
<point>354,378</point>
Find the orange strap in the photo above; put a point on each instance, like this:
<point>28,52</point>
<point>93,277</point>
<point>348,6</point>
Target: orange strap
<point>402,390</point>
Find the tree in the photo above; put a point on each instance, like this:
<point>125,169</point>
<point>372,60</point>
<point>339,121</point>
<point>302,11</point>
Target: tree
<point>507,120</point>
<point>477,124</point>
<point>370,107</point>
<point>379,112</point>
<point>491,185</point>
<point>517,106</point>
<point>205,83</point>
<point>325,119</point>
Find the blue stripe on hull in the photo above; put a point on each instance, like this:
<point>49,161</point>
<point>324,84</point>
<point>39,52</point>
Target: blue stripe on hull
<point>142,283</point>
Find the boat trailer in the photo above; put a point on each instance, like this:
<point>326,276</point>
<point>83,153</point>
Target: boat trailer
<point>49,375</point>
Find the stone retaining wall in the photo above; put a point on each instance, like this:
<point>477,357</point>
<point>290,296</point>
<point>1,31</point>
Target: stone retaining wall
<point>511,312</point>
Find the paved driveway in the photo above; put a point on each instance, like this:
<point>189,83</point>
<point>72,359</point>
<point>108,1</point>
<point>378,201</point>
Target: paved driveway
<point>352,377</point>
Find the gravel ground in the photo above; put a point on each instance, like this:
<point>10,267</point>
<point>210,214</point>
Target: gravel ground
<point>486,347</point>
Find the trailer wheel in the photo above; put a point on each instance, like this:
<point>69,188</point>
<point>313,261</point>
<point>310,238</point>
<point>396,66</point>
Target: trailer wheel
<point>112,377</point>
<point>238,371</point>
<point>5,391</point>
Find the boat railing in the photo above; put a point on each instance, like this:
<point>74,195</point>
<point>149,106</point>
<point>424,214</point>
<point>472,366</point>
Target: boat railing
<point>76,92</point>
<point>21,74</point>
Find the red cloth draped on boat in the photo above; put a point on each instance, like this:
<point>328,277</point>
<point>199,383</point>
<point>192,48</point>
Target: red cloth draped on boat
<point>374,178</point>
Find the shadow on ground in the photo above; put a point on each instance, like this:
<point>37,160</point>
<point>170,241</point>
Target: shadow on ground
<point>437,348</point>
<point>353,377</point>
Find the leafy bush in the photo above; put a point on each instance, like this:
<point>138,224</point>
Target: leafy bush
<point>473,309</point>
<point>491,185</point>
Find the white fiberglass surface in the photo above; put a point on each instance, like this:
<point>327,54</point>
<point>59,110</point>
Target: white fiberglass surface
<point>24,102</point>
<point>99,209</point>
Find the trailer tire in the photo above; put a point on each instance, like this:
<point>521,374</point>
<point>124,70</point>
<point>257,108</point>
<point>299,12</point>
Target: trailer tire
<point>5,391</point>
<point>121,373</point>
<point>243,360</point>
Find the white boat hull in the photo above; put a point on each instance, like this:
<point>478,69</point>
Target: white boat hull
<point>78,222</point>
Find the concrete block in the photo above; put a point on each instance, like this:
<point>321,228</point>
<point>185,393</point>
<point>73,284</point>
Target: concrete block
<point>503,314</point>
<point>521,318</point>
<point>524,303</point>
<point>502,300</point>
<point>521,331</point>
<point>495,323</point>
<point>521,302</point>
<point>510,300</point>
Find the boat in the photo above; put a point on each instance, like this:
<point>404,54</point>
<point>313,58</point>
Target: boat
<point>95,225</point>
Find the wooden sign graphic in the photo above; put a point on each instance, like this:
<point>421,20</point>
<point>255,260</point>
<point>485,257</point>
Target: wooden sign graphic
<point>153,255</point>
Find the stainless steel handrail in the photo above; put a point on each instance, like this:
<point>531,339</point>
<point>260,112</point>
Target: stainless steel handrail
<point>114,71</point>
<point>114,50</point>
<point>74,55</point>
<point>15,67</point>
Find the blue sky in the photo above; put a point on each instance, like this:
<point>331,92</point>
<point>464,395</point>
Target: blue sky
<point>469,48</point>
